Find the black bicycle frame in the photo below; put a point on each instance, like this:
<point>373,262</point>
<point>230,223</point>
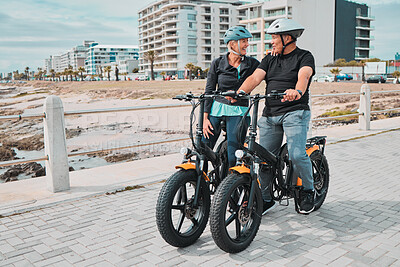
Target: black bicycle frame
<point>203,152</point>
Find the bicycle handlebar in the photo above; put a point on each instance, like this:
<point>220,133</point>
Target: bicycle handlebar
<point>189,96</point>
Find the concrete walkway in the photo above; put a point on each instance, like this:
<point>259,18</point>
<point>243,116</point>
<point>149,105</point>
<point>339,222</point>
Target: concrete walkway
<point>358,225</point>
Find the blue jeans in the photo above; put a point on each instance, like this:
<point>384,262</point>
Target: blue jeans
<point>295,126</point>
<point>231,123</point>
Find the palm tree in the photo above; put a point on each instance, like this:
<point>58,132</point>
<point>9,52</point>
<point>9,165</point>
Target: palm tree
<point>151,56</point>
<point>27,73</point>
<point>396,74</point>
<point>81,70</point>
<point>44,74</point>
<point>70,71</point>
<point>335,71</point>
<point>53,73</point>
<point>191,67</point>
<point>108,70</point>
<point>39,75</point>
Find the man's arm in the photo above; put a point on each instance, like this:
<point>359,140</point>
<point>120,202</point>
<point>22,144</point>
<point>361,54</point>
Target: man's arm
<point>252,81</point>
<point>302,81</point>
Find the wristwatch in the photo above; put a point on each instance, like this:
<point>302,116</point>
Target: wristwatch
<point>300,92</point>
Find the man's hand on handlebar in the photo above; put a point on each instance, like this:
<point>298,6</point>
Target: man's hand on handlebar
<point>291,95</point>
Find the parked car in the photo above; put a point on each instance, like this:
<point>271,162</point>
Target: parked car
<point>344,76</point>
<point>324,78</point>
<point>141,78</point>
<point>376,79</point>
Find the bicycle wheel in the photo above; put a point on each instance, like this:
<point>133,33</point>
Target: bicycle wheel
<point>179,223</point>
<point>232,228</point>
<point>320,171</point>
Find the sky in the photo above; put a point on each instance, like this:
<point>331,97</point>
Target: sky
<point>32,30</point>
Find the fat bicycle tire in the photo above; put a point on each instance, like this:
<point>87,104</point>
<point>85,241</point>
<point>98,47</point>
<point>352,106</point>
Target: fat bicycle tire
<point>320,171</point>
<point>179,224</point>
<point>225,210</point>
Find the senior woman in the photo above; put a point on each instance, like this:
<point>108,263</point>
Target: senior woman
<point>227,73</point>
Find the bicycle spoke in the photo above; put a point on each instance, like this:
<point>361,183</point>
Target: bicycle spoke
<point>195,222</point>
<point>230,219</point>
<point>233,204</point>
<point>178,207</point>
<point>180,222</point>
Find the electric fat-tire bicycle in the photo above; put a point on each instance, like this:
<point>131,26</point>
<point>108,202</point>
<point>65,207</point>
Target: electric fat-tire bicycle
<point>183,204</point>
<point>237,204</point>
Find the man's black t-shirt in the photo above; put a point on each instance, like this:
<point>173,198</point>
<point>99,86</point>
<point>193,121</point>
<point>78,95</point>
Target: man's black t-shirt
<point>282,74</point>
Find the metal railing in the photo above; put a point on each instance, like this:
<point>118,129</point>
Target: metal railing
<point>364,114</point>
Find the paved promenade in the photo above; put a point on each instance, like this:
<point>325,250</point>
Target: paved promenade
<point>358,225</point>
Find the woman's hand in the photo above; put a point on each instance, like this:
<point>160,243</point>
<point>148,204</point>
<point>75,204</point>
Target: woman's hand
<point>291,95</point>
<point>207,128</point>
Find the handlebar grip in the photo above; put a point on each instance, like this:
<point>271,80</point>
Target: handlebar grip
<point>229,93</point>
<point>179,97</point>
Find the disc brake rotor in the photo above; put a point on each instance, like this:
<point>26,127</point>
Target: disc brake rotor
<point>191,211</point>
<point>243,216</point>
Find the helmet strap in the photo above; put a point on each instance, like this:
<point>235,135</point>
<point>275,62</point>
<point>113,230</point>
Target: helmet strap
<point>285,45</point>
<point>236,53</point>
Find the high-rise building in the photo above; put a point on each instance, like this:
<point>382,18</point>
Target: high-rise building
<point>74,57</point>
<point>185,31</point>
<point>333,28</point>
<point>353,30</point>
<point>107,55</point>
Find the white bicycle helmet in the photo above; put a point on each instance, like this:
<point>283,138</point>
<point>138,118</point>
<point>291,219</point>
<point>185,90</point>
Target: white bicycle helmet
<point>286,26</point>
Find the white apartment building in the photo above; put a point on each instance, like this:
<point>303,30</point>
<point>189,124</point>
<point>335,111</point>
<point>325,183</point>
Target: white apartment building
<point>74,57</point>
<point>333,28</point>
<point>55,64</point>
<point>185,31</point>
<point>99,56</point>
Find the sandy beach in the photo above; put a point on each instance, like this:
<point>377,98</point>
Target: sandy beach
<point>24,139</point>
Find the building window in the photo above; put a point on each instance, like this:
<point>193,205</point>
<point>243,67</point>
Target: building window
<point>207,26</point>
<point>242,12</point>
<point>223,27</point>
<point>224,11</point>
<point>187,7</point>
<point>255,12</point>
<point>192,41</point>
<point>224,19</point>
<point>208,41</point>
<point>275,12</point>
<point>207,10</point>
<point>191,17</point>
<point>192,25</point>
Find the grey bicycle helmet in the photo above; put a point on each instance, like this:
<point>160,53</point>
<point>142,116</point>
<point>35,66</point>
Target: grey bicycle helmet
<point>236,33</point>
<point>286,26</point>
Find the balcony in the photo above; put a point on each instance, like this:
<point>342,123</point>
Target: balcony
<point>364,37</point>
<point>365,27</point>
<point>364,47</point>
<point>365,17</point>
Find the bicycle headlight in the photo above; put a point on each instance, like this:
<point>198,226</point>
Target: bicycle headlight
<point>185,151</point>
<point>239,154</point>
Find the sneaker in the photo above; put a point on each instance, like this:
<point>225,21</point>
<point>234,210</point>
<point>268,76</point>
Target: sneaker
<point>306,204</point>
<point>268,205</point>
